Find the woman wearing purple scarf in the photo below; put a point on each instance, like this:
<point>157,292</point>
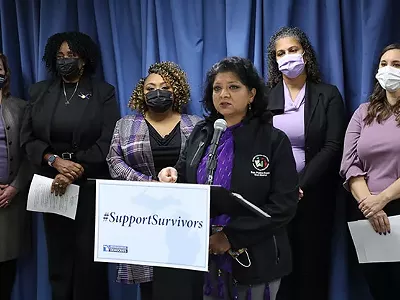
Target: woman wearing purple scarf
<point>248,253</point>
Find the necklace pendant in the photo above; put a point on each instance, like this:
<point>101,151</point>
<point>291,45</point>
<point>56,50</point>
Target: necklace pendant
<point>66,102</point>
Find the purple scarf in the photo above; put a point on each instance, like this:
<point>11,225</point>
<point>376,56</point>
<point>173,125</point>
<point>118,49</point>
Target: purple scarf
<point>222,177</point>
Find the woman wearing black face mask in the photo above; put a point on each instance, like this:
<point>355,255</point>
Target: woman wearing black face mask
<point>66,133</point>
<point>142,145</point>
<point>14,182</point>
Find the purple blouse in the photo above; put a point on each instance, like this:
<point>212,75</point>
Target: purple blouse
<point>222,177</point>
<point>371,151</point>
<point>291,122</point>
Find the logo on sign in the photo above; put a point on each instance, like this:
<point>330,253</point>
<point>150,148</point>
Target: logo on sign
<point>112,248</point>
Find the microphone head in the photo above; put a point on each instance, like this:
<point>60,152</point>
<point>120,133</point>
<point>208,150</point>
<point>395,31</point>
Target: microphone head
<point>220,124</point>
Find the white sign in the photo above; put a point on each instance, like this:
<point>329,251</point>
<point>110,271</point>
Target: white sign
<point>40,198</point>
<point>152,223</point>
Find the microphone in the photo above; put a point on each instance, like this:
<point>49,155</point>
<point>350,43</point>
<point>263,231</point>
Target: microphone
<point>219,127</point>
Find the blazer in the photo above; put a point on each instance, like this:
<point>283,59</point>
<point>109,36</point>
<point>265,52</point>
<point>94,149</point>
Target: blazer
<point>272,186</point>
<point>91,137</point>
<point>324,128</point>
<point>14,220</point>
<point>130,156</point>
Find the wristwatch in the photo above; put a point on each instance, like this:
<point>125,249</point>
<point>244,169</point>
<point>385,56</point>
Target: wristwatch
<point>51,159</point>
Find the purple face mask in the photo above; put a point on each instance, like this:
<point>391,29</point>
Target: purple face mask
<point>292,65</point>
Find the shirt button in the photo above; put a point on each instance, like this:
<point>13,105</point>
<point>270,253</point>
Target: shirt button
<point>10,143</point>
<point>8,127</point>
<point>11,158</point>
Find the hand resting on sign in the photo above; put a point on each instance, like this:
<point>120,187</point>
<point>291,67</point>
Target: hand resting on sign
<point>168,174</point>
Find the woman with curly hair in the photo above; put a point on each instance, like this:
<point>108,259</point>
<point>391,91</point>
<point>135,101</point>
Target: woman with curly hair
<point>370,165</point>
<point>66,133</point>
<point>145,143</point>
<point>312,114</point>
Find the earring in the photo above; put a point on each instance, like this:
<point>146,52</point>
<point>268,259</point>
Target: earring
<point>249,106</point>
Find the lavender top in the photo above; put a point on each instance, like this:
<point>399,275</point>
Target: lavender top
<point>3,153</point>
<point>292,123</point>
<point>371,151</point>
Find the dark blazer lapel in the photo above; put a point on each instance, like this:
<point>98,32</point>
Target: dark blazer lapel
<point>49,103</point>
<point>89,94</point>
<point>276,100</point>
<point>311,102</point>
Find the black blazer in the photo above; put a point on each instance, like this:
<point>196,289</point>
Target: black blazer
<point>91,137</point>
<point>324,126</point>
<point>273,187</point>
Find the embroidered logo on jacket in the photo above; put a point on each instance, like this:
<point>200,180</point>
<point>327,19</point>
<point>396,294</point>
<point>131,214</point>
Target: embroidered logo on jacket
<point>260,163</point>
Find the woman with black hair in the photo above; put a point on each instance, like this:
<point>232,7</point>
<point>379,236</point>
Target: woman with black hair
<point>66,133</point>
<point>248,254</point>
<point>312,114</point>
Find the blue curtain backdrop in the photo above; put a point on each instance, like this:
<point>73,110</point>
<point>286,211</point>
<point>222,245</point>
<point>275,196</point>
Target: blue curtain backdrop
<point>132,34</point>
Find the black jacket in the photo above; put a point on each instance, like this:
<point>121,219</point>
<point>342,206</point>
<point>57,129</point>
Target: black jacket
<point>91,139</point>
<point>324,126</point>
<point>271,186</point>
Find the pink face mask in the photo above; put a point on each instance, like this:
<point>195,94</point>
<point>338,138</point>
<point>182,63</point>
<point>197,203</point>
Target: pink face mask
<point>292,65</point>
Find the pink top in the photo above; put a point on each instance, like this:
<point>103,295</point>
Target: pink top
<point>372,151</point>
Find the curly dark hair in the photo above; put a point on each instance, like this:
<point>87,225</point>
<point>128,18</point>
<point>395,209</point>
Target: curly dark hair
<point>379,108</point>
<point>248,76</point>
<point>173,76</point>
<point>6,86</point>
<point>79,43</point>
<point>312,67</point>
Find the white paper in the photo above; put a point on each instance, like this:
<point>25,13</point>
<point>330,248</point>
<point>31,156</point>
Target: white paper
<point>372,247</point>
<point>40,198</point>
<point>249,204</point>
<point>129,230</point>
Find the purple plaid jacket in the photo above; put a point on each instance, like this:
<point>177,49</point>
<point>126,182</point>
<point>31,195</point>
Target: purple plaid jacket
<point>130,158</point>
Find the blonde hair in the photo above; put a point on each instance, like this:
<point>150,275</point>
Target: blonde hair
<point>173,76</point>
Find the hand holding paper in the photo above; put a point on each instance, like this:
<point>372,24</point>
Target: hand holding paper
<point>41,199</point>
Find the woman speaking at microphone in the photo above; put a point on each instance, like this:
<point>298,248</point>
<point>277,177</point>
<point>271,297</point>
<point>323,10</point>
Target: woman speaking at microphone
<point>249,254</point>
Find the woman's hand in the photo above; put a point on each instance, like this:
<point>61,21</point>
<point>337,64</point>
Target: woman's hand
<point>168,174</point>
<point>60,184</point>
<point>68,168</point>
<point>380,222</point>
<point>7,193</point>
<point>371,205</point>
<point>219,243</point>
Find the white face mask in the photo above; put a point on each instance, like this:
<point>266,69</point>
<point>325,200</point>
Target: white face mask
<point>389,78</point>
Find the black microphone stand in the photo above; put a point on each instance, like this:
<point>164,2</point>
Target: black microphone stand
<point>211,166</point>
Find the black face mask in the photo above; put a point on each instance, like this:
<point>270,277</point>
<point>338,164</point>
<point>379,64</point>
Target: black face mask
<point>68,67</point>
<point>159,101</point>
<point>2,80</point>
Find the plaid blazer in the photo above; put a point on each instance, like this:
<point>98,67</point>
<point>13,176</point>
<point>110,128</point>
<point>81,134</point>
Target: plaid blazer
<point>130,158</point>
